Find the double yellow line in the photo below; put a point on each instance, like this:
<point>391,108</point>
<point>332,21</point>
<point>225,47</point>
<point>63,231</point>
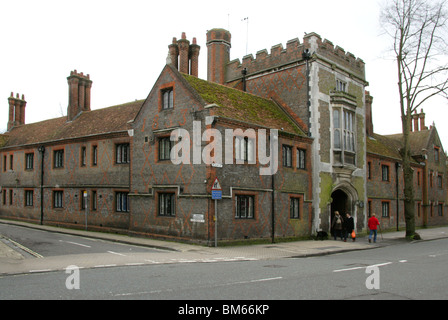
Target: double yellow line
<point>28,250</point>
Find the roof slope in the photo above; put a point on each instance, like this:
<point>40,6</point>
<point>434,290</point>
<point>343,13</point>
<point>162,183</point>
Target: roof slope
<point>384,146</point>
<point>89,123</point>
<point>3,139</point>
<point>390,145</point>
<point>418,140</point>
<point>243,106</point>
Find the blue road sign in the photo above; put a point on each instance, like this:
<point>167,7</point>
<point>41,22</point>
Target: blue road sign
<point>217,194</point>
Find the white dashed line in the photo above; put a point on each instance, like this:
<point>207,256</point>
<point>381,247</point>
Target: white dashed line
<point>118,254</point>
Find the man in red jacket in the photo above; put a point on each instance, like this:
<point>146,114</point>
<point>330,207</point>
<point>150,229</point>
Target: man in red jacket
<point>373,226</point>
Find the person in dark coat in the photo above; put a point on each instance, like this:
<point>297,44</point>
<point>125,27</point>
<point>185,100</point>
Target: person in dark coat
<point>349,226</point>
<point>337,225</point>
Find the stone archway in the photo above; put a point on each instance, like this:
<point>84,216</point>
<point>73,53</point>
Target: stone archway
<point>339,203</point>
<point>344,199</point>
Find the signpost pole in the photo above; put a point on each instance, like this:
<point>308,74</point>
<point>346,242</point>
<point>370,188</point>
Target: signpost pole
<point>216,195</point>
<point>216,223</point>
<point>86,206</point>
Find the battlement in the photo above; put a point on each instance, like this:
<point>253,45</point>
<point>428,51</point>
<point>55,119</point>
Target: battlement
<point>280,57</point>
<point>325,49</point>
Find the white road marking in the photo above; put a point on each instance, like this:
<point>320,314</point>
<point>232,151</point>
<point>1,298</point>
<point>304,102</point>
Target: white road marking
<point>75,243</point>
<point>349,269</point>
<point>358,268</point>
<point>267,279</point>
<point>118,254</point>
<point>38,271</point>
<point>105,266</point>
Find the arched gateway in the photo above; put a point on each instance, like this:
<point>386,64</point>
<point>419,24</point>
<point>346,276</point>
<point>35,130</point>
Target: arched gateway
<point>344,200</point>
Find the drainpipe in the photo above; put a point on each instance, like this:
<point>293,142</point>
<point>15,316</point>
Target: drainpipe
<point>244,73</point>
<point>41,149</point>
<point>273,207</point>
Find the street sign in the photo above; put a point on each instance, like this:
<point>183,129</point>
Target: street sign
<point>216,195</point>
<point>216,185</point>
<point>216,190</point>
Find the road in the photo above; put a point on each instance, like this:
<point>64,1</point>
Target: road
<point>49,244</point>
<point>403,271</point>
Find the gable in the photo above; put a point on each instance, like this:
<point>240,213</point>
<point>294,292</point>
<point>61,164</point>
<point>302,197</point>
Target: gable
<point>185,99</point>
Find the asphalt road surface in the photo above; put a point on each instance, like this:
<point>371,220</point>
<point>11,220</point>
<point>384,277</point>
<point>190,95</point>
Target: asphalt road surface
<point>404,271</point>
<point>50,244</point>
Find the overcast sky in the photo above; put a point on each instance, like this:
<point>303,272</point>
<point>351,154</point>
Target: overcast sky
<point>123,45</point>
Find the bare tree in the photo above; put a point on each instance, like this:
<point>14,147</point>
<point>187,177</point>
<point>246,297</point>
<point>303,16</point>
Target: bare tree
<point>418,29</point>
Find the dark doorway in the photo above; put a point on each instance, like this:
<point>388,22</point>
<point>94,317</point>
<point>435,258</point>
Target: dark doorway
<point>340,203</point>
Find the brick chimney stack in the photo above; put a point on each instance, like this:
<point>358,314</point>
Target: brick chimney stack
<point>419,121</point>
<point>415,120</point>
<point>184,56</point>
<point>16,111</point>
<point>79,86</point>
<point>184,53</point>
<point>174,53</point>
<point>218,44</point>
<point>194,58</point>
<point>369,119</point>
<point>422,116</point>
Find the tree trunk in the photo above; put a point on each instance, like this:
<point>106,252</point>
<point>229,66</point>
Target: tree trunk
<point>409,203</point>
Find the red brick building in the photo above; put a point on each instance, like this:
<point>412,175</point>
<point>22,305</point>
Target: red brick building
<point>112,169</point>
<point>385,181</point>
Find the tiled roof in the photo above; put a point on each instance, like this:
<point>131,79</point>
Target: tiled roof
<point>3,139</point>
<point>419,140</point>
<point>383,146</point>
<point>242,106</point>
<point>89,123</point>
<point>389,145</point>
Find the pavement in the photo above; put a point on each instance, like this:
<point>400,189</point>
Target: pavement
<point>14,261</point>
